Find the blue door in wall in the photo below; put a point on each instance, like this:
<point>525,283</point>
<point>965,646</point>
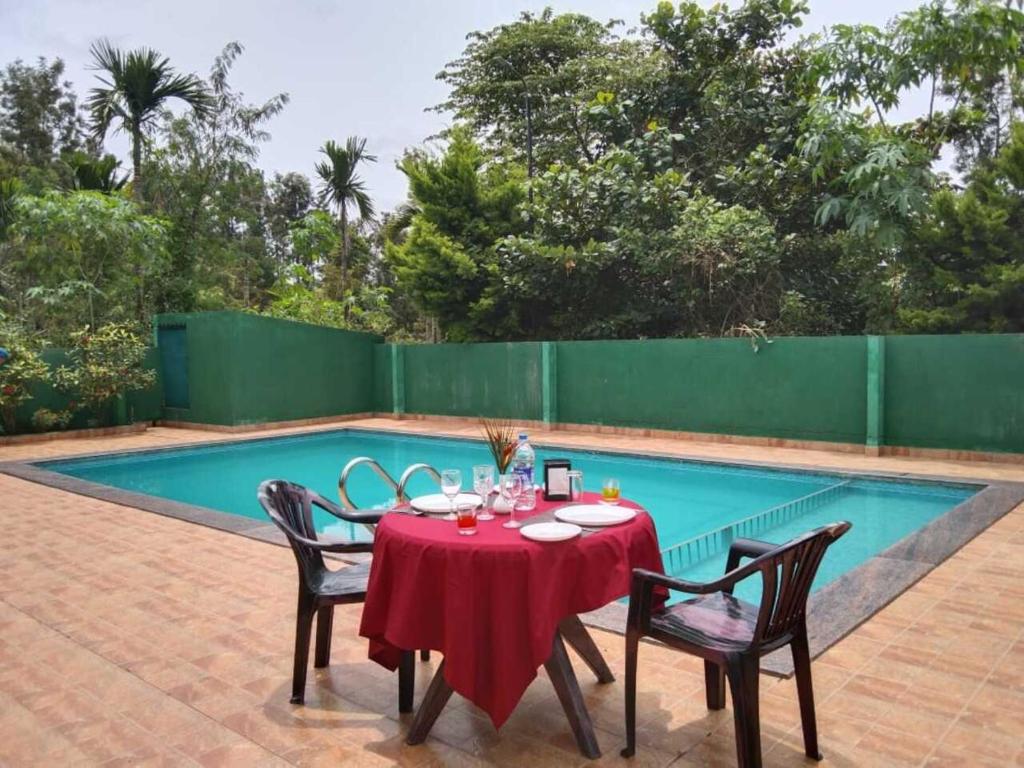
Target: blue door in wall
<point>171,341</point>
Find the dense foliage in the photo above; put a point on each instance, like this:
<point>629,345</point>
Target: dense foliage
<point>709,172</point>
<point>22,369</point>
<point>106,362</point>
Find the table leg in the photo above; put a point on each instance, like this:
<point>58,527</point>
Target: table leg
<point>434,699</point>
<point>563,678</point>
<point>406,681</point>
<point>576,635</point>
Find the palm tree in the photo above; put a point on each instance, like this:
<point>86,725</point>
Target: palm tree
<point>137,85</point>
<point>341,186</point>
<point>99,174</point>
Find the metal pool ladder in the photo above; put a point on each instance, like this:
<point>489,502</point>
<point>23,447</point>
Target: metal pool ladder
<point>397,487</point>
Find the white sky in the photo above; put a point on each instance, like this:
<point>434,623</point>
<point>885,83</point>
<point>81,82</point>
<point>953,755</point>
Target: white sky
<point>363,68</point>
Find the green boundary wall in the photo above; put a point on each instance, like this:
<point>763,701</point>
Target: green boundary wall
<point>809,388</point>
<point>249,369</point>
<point>948,392</point>
<point>964,392</point>
<point>498,380</point>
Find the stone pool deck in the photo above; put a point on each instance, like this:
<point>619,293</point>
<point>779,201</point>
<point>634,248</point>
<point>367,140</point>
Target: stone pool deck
<point>127,638</point>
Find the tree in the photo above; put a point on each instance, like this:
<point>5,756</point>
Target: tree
<point>39,119</point>
<point>627,247</point>
<point>524,87</point>
<point>135,90</point>
<point>315,239</point>
<point>10,190</point>
<point>341,186</point>
<point>204,180</point>
<point>448,263</point>
<point>82,255</point>
<point>964,269</point>
<point>969,57</point>
<point>878,175</point>
<point>290,199</point>
<point>876,180</point>
<point>303,291</point>
<point>95,174</point>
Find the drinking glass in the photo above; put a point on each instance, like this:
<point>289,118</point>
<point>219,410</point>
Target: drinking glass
<point>483,484</point>
<point>511,488</point>
<point>610,491</point>
<point>466,522</point>
<point>575,485</point>
<point>451,484</point>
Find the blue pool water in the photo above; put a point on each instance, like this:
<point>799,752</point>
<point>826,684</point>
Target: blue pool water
<point>688,500</point>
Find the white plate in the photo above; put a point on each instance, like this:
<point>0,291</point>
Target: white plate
<point>437,503</point>
<point>595,514</point>
<point>550,531</point>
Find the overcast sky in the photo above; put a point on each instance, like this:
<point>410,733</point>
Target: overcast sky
<point>350,67</point>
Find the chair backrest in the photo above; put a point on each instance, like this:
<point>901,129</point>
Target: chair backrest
<point>290,507</point>
<point>788,573</point>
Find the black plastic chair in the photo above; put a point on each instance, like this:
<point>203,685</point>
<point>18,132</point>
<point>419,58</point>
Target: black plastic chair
<point>732,635</point>
<point>290,506</point>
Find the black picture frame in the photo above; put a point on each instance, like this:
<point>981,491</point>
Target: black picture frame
<point>556,464</point>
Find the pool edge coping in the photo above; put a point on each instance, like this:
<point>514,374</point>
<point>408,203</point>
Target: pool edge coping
<point>887,575</point>
<point>658,455</point>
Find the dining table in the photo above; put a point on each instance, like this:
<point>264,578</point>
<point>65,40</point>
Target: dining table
<point>499,606</point>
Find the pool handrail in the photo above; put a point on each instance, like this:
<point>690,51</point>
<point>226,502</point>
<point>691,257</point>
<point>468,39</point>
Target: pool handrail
<point>411,470</point>
<point>346,501</point>
<point>398,487</point>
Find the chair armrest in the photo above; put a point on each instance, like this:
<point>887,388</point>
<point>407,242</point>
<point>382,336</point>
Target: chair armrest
<point>366,516</point>
<point>333,546</point>
<point>641,595</point>
<point>741,548</point>
<point>346,546</point>
<point>644,581</point>
<point>649,579</point>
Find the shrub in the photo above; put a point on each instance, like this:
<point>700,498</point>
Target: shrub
<point>45,420</point>
<point>106,363</point>
<point>22,369</point>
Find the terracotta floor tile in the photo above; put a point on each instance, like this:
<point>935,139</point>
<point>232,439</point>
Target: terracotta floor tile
<point>240,753</point>
<point>146,641</point>
<point>979,743</point>
<point>898,746</point>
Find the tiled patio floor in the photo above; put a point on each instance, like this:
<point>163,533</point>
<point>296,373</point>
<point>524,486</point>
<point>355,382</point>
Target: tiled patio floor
<point>127,638</point>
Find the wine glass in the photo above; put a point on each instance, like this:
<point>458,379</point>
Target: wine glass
<point>483,484</point>
<point>451,484</point>
<point>511,488</point>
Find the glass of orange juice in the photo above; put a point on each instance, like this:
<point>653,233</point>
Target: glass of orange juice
<point>610,491</point>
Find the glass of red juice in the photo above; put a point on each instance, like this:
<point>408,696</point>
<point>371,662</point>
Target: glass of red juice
<point>466,519</point>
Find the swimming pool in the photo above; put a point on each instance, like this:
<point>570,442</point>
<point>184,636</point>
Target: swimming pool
<point>697,507</point>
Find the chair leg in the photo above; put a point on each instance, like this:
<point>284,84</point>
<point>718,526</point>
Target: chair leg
<point>324,623</point>
<point>805,691</point>
<point>303,630</point>
<point>743,672</point>
<point>406,680</point>
<point>632,651</point>
<point>714,685</point>
<point>425,654</point>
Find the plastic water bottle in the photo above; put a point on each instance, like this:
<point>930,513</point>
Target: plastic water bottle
<point>523,461</point>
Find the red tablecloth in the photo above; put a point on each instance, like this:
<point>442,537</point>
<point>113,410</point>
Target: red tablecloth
<point>491,603</point>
